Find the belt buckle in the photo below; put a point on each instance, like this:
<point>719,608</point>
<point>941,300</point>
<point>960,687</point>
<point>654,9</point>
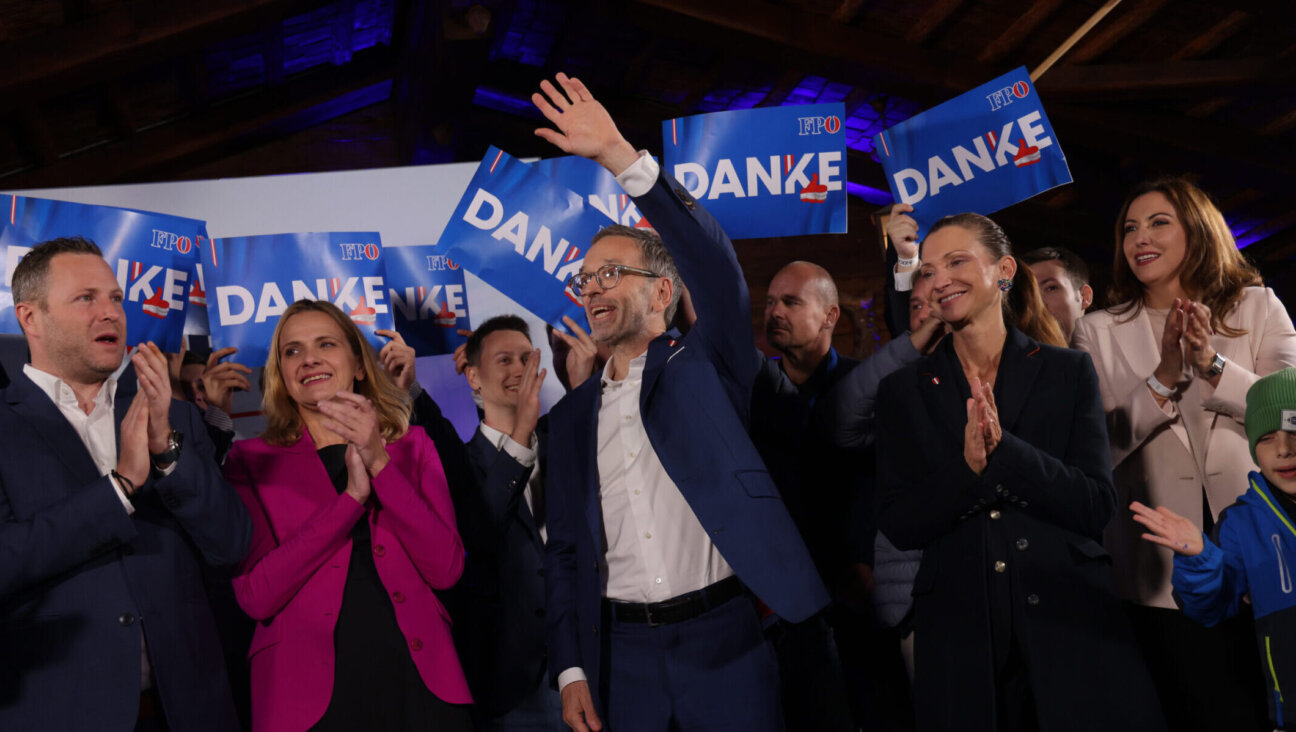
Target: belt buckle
<point>648,614</point>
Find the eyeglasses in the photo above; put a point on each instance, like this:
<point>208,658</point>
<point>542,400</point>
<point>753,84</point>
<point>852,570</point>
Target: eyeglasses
<point>608,276</point>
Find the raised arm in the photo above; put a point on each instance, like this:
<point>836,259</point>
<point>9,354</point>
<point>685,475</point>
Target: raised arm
<point>702,252</point>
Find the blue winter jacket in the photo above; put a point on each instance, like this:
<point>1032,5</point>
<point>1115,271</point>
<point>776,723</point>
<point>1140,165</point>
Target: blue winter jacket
<point>1253,553</point>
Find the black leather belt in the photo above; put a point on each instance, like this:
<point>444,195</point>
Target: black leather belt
<point>677,609</point>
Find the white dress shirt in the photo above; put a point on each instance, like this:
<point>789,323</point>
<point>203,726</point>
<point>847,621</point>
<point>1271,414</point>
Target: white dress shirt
<point>527,455</point>
<point>656,547</point>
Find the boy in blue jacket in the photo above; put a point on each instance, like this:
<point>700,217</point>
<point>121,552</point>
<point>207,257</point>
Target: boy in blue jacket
<point>1254,548</point>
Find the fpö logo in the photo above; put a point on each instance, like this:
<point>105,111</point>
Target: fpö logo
<point>1000,98</point>
<point>352,252</point>
<point>167,241</point>
<point>830,125</point>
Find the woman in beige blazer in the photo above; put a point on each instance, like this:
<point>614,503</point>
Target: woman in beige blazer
<point>1192,331</point>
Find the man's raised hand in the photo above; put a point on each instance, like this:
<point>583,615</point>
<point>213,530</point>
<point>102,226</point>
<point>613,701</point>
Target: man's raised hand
<point>584,127</point>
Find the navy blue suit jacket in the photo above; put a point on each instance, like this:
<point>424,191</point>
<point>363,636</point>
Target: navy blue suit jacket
<point>695,403</point>
<point>506,586</point>
<point>80,580</point>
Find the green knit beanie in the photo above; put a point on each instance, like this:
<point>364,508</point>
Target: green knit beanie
<point>1271,406</point>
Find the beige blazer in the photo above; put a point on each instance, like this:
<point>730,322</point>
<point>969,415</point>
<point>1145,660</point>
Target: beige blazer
<point>1154,458</point>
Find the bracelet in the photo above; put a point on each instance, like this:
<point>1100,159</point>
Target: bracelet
<point>127,484</point>
<point>912,262</point>
<point>1160,389</point>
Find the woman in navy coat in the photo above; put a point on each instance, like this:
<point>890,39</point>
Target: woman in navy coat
<point>994,462</point>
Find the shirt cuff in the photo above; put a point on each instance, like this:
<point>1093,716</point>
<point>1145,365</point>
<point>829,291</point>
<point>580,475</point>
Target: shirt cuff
<point>121,495</point>
<point>415,389</point>
<point>575,673</point>
<point>640,177</point>
<point>904,280</point>
<point>216,417</point>
<point>520,453</point>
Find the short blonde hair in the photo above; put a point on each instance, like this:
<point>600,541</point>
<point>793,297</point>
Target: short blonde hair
<point>284,422</point>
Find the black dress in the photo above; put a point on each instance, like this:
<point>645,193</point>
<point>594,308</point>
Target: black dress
<point>376,686</point>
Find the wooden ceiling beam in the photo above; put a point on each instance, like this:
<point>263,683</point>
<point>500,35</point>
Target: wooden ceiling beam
<point>110,44</point>
<point>936,15</point>
<point>252,119</point>
<point>1181,143</point>
<point>783,87</point>
<point>847,11</point>
<point>1128,18</point>
<point>1225,29</point>
<point>1006,42</point>
<point>1168,78</point>
<point>846,49</point>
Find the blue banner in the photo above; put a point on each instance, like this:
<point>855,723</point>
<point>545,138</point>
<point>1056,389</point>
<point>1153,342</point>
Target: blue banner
<point>979,152</point>
<point>251,280</point>
<point>153,255</point>
<point>523,234</point>
<point>774,171</point>
<point>598,186</point>
<point>427,295</point>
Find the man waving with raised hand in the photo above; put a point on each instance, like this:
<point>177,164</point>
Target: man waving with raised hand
<point>664,526</point>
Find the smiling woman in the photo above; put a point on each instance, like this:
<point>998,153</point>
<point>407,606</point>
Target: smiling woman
<point>351,635</point>
<point>1194,328</point>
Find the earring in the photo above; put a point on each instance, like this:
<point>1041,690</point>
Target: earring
<point>1005,284</point>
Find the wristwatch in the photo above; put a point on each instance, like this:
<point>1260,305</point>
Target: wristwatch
<point>1216,366</point>
<point>171,454</point>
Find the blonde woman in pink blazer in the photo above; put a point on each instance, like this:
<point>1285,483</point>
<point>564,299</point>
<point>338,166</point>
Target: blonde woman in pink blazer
<point>1192,331</point>
<point>353,528</point>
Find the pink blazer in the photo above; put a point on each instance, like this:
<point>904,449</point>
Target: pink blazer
<point>292,579</point>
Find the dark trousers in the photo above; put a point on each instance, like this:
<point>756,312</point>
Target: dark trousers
<point>814,687</point>
<point>1209,679</point>
<point>713,672</point>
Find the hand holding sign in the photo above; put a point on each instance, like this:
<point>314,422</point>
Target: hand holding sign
<point>221,378</point>
<point>584,127</point>
<point>397,359</point>
<point>902,230</point>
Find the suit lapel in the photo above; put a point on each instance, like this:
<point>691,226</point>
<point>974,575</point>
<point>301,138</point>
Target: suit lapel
<point>1140,345</point>
<point>585,408</point>
<point>1018,367</point>
<point>660,352</point>
<point>945,389</point>
<point>36,409</point>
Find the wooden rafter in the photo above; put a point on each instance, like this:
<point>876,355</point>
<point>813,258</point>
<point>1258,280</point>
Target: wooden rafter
<point>1128,19</point>
<point>1225,29</point>
<point>1168,78</point>
<point>936,15</point>
<point>1020,29</point>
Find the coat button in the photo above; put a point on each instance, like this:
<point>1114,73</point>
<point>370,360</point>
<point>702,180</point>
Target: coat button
<point>1000,490</point>
<point>1022,544</point>
<point>398,596</point>
<point>539,612</point>
<point>416,644</point>
<point>1001,567</point>
<point>126,619</point>
<point>1032,599</point>
<point>540,571</point>
<point>594,629</point>
<point>994,514</point>
<point>379,550</point>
